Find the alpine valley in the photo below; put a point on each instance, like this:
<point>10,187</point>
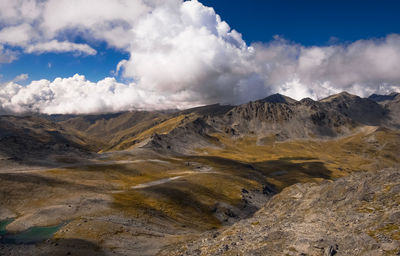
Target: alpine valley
<point>271,177</point>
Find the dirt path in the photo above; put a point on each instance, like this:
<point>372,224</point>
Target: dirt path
<point>156,182</point>
<point>197,170</point>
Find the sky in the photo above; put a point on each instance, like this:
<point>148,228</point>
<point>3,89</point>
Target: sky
<point>90,56</point>
<point>310,22</point>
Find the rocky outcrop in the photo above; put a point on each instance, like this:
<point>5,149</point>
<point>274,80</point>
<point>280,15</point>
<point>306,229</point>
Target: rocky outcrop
<point>182,139</point>
<point>391,103</point>
<point>361,110</point>
<point>285,118</point>
<point>354,215</point>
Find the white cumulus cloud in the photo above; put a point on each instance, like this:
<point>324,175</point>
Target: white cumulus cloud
<point>21,77</point>
<point>182,54</point>
<point>362,67</point>
<point>7,55</point>
<point>77,95</point>
<point>189,51</point>
<point>56,46</point>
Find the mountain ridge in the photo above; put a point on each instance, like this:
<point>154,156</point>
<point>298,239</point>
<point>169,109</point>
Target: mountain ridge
<point>276,115</point>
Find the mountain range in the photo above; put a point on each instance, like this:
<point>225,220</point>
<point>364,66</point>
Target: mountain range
<point>276,115</point>
<point>252,179</point>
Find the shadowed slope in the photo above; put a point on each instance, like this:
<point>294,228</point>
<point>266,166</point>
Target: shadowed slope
<point>361,110</point>
<point>30,137</point>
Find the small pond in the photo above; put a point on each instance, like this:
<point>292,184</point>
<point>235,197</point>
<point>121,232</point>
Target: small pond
<point>29,236</point>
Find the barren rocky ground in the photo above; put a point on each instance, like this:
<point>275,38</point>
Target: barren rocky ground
<point>354,215</point>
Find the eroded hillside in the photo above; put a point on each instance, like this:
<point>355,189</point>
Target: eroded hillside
<point>355,215</point>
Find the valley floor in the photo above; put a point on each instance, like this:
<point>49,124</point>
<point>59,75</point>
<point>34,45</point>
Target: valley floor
<point>140,202</point>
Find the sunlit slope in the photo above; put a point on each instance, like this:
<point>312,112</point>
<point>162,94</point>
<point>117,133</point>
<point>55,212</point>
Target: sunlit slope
<point>112,129</point>
<point>161,128</point>
<point>294,161</point>
<point>128,130</point>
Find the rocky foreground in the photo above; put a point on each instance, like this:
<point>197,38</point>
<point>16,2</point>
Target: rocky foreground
<point>355,215</point>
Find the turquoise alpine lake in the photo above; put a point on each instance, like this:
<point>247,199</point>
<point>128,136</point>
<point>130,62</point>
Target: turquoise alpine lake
<point>3,224</point>
<point>29,236</point>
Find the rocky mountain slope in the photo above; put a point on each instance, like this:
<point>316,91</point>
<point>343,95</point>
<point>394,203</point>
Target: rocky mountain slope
<point>361,110</point>
<point>284,119</point>
<point>355,215</point>
<point>32,137</point>
<point>391,103</point>
<point>113,128</point>
<point>276,115</point>
<point>182,131</point>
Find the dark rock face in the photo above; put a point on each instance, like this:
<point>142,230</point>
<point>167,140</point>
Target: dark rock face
<point>183,138</point>
<point>331,250</point>
<point>383,98</point>
<point>354,215</point>
<point>393,107</point>
<point>286,119</point>
<point>361,110</point>
<point>279,98</point>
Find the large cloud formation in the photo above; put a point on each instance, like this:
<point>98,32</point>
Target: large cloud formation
<point>182,54</point>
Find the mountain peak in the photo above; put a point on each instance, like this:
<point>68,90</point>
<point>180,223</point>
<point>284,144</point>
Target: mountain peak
<point>381,97</point>
<point>341,95</point>
<point>279,98</point>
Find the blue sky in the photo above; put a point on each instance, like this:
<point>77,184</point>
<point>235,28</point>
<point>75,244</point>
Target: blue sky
<point>308,22</point>
<point>52,65</point>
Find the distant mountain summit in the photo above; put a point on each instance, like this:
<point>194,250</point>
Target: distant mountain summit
<point>284,118</point>
<point>279,98</point>
<point>362,110</point>
<point>382,98</point>
<point>339,97</point>
<point>391,103</point>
